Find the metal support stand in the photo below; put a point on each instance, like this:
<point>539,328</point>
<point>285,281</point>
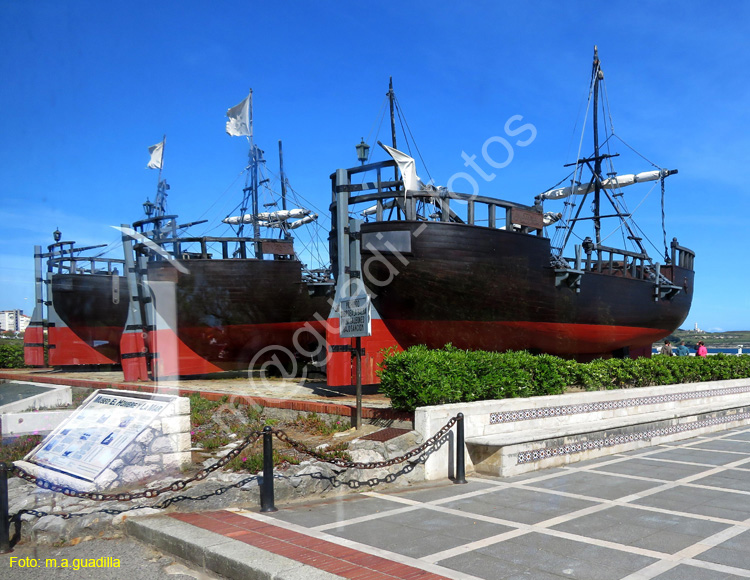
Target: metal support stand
<point>358,357</point>
<point>460,455</point>
<point>266,486</point>
<point>4,506</point>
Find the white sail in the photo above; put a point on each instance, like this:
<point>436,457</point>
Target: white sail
<point>609,183</point>
<point>268,216</point>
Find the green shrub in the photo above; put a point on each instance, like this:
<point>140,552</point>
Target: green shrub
<point>11,354</point>
<point>419,376</point>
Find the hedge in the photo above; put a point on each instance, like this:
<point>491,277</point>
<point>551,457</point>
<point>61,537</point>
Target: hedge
<point>11,354</point>
<point>419,377</point>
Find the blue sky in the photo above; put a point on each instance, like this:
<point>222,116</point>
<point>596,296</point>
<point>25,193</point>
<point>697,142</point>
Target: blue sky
<point>89,86</point>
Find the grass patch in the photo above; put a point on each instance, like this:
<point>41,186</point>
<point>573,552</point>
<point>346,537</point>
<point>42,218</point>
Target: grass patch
<point>316,425</point>
<point>19,448</point>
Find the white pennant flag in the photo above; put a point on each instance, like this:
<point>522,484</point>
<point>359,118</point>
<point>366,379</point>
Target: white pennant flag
<point>157,154</point>
<point>240,123</point>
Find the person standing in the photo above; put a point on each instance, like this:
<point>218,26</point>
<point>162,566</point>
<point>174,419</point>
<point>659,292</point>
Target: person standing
<point>682,350</point>
<point>667,348</point>
<point>702,350</point>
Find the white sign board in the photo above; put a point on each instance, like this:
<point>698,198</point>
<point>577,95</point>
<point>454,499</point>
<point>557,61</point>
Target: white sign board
<point>355,317</point>
<point>97,433</point>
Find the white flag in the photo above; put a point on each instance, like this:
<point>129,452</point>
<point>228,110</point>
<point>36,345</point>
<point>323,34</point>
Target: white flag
<point>240,122</point>
<point>157,153</point>
<point>407,167</point>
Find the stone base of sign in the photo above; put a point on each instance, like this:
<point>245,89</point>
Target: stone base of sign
<point>162,448</point>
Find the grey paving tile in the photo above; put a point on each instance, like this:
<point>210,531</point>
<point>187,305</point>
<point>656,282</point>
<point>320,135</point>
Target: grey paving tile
<point>724,445</point>
<point>686,572</point>
<point>641,528</point>
<point>519,505</point>
<point>701,456</point>
<point>437,492</point>
<point>486,566</point>
<point>738,435</point>
<point>418,533</point>
<point>704,502</point>
<point>596,461</point>
<point>321,513</point>
<point>734,552</point>
<point>534,474</point>
<point>546,554</point>
<point>654,468</point>
<point>734,479</point>
<point>597,485</point>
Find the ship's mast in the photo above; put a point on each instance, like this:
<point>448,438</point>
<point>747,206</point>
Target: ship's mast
<point>597,75</point>
<point>391,99</point>
<point>255,158</point>
<point>283,177</point>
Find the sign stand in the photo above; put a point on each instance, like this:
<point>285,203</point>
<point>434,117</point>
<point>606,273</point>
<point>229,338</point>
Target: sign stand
<point>356,323</point>
<point>358,357</point>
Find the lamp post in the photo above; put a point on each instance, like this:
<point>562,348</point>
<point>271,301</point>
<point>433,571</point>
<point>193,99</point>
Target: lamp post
<point>57,234</point>
<point>362,151</point>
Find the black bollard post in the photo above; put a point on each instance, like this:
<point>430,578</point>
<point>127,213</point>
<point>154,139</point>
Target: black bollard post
<point>4,506</point>
<point>266,486</point>
<point>460,457</point>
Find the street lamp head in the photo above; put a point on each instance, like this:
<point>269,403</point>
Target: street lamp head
<point>362,151</point>
<point>57,234</point>
<point>148,207</point>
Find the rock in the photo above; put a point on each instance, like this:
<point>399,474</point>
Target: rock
<point>365,455</point>
<point>50,526</point>
<point>106,479</point>
<point>134,454</point>
<point>119,519</point>
<point>162,444</point>
<point>137,473</point>
<point>146,437</point>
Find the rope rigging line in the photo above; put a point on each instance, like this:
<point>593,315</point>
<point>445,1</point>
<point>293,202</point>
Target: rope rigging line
<point>402,116</point>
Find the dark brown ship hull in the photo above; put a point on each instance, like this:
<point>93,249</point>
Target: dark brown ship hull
<point>482,288</point>
<point>231,314</point>
<point>87,320</point>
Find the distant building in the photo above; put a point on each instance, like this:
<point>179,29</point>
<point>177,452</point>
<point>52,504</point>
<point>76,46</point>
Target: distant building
<point>24,322</point>
<point>14,320</point>
<point>696,329</point>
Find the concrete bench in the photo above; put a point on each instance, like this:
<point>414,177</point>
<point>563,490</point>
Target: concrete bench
<point>513,436</point>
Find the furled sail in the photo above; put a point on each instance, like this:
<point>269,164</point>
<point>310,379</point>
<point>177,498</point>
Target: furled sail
<point>609,183</point>
<point>268,217</point>
<point>373,209</point>
<point>301,222</point>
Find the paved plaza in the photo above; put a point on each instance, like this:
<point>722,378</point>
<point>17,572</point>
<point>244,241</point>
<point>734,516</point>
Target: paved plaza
<point>678,511</point>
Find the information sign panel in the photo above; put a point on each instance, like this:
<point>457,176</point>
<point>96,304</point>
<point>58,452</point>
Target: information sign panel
<point>355,317</point>
<point>97,433</point>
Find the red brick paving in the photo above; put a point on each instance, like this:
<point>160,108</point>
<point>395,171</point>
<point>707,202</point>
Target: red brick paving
<point>321,554</point>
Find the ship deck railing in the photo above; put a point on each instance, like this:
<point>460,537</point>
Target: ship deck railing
<point>682,256</point>
<point>524,218</point>
<point>617,262</point>
<point>64,258</point>
<point>205,247</point>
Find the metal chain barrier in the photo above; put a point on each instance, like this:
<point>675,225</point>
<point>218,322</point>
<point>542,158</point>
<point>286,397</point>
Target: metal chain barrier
<point>266,483</point>
<point>114,512</point>
<point>148,493</point>
<point>282,436</point>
